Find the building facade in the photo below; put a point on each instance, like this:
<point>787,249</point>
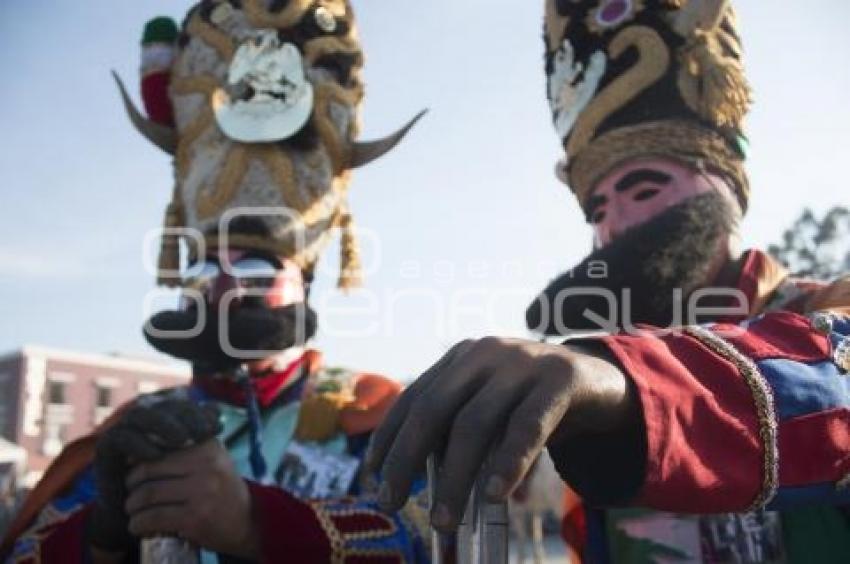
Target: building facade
<point>50,397</point>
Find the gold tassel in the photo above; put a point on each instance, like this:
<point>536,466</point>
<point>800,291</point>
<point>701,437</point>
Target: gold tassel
<point>169,252</point>
<point>712,84</point>
<point>351,274</point>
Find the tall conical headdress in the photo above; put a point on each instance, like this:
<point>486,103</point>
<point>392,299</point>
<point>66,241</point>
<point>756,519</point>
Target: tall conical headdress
<point>646,78</point>
<point>258,101</point>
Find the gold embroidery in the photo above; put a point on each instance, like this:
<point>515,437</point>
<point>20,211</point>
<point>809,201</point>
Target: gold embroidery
<point>653,62</point>
<point>212,36</point>
<point>416,516</point>
<point>712,84</point>
<point>359,553</point>
<point>351,265</point>
<point>202,84</point>
<point>337,7</point>
<point>337,147</point>
<point>680,140</point>
<point>555,24</point>
<point>316,48</point>
<point>391,529</point>
<point>234,168</point>
<point>188,137</point>
<point>334,537</point>
<point>279,165</point>
<point>339,551</point>
<point>318,210</point>
<point>763,397</point>
<point>260,17</point>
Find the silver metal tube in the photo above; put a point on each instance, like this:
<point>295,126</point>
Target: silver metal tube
<point>481,538</point>
<point>168,550</point>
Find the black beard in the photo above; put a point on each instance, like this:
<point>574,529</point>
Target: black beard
<point>249,328</point>
<point>673,251</point>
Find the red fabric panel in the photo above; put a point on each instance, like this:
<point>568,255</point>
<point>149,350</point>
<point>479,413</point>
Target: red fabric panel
<point>704,454</point>
<point>66,543</point>
<point>574,531</point>
<point>287,526</point>
<point>266,388</point>
<point>156,99</point>
<point>814,448</point>
<point>779,335</point>
<point>361,522</point>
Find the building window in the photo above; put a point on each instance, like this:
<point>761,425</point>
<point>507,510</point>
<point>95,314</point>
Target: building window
<point>146,387</point>
<point>54,439</point>
<point>104,396</point>
<point>4,401</point>
<point>56,393</point>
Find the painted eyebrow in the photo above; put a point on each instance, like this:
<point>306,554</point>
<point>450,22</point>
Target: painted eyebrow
<point>593,204</point>
<point>640,176</point>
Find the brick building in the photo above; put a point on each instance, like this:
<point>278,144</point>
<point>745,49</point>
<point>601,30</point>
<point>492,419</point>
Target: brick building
<point>49,397</point>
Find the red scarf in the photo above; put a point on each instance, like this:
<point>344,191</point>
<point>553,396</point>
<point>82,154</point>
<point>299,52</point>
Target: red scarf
<point>266,387</point>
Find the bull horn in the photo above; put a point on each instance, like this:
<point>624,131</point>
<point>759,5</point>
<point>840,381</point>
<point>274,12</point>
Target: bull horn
<point>366,152</point>
<point>163,137</point>
<point>699,14</point>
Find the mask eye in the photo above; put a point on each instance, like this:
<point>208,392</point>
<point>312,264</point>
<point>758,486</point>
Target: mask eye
<point>255,272</point>
<point>646,194</point>
<point>201,275</point>
<point>254,267</point>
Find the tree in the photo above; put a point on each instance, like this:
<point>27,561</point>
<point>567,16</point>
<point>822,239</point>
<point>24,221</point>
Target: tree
<point>816,248</point>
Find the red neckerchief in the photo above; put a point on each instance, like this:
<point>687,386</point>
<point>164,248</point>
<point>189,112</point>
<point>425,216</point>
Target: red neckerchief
<point>266,387</point>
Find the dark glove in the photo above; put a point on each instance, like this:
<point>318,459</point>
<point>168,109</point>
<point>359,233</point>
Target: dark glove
<point>152,428</point>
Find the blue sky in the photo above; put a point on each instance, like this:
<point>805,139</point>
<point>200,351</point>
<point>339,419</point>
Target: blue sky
<point>471,220</point>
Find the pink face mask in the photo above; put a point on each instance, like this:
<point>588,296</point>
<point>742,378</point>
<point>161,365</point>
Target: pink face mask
<point>231,274</point>
<point>637,191</point>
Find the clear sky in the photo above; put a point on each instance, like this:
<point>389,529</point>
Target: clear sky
<point>469,220</point>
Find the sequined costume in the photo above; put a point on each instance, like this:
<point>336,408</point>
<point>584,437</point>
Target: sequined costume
<point>743,451</point>
<point>314,507</point>
<point>744,416</point>
<point>258,104</point>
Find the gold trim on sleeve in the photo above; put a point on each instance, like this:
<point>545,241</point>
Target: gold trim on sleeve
<point>764,402</point>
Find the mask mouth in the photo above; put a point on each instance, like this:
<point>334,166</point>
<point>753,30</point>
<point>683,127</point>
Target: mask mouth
<point>659,262</point>
<point>242,334</point>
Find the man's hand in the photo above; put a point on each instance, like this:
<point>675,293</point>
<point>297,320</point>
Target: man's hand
<point>153,426</point>
<point>508,397</point>
<point>197,495</point>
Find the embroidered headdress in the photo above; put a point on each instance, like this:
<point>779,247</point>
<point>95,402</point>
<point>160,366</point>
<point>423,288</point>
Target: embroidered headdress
<point>258,101</point>
<point>634,79</point>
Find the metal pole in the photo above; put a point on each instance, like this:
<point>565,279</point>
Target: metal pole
<point>481,538</point>
<point>168,550</point>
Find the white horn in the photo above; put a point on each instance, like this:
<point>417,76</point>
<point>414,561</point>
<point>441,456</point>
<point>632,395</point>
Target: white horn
<point>366,152</point>
<point>163,137</point>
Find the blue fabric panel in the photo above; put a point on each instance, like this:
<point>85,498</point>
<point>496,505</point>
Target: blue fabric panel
<point>815,494</point>
<point>802,389</point>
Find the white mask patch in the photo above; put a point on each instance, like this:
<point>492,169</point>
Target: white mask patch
<point>274,99</point>
<point>568,96</point>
